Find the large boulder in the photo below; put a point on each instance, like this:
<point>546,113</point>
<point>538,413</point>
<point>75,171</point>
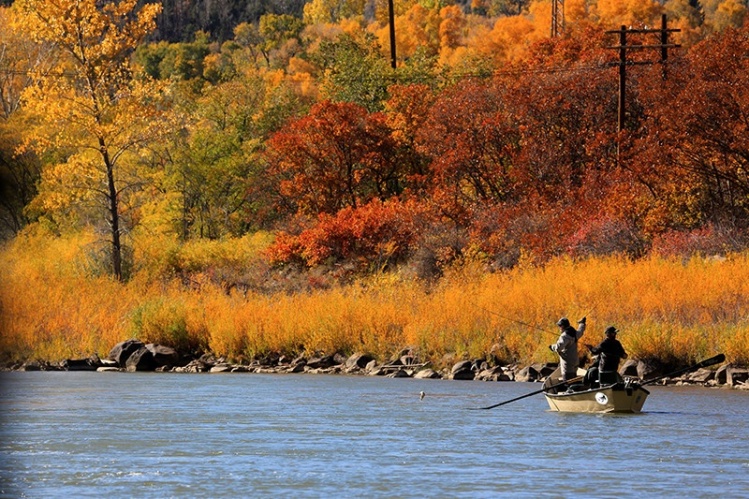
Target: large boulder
<point>323,362</point>
<point>650,368</point>
<point>358,361</point>
<point>463,370</point>
<point>629,368</point>
<point>123,350</point>
<point>90,364</point>
<point>141,360</point>
<point>427,374</point>
<point>736,376</point>
<point>493,374</point>
<point>163,356</point>
<point>545,369</point>
<point>527,374</point>
<point>701,376</point>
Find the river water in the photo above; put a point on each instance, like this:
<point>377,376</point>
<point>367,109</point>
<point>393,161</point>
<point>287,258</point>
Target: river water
<point>78,434</point>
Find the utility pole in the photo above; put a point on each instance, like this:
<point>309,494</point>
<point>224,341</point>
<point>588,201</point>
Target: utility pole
<point>391,17</point>
<point>557,18</point>
<point>623,62</point>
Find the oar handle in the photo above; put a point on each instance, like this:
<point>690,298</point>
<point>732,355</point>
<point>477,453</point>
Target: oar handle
<point>529,394</point>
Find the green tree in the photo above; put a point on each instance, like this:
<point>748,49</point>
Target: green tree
<point>355,71</point>
<point>214,184</point>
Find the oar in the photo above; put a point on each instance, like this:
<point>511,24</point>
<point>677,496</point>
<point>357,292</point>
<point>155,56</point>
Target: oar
<point>705,363</point>
<point>579,378</point>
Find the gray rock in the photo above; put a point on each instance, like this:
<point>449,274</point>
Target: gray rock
<point>701,376</point>
<point>141,360</point>
<point>358,361</point>
<point>427,374</point>
<point>296,368</point>
<point>163,355</point>
<point>545,369</point>
<point>721,374</point>
<point>629,368</point>
<point>649,368</point>
<point>463,371</point>
<point>321,362</point>
<point>527,374</point>
<point>736,376</point>
<point>461,366</point>
<point>493,374</point>
<point>122,351</point>
<point>90,364</point>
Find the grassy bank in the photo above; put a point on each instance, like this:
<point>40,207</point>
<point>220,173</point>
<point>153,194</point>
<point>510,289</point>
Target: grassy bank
<point>54,307</point>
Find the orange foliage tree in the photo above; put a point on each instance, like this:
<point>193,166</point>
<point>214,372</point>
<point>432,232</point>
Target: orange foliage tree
<point>471,143</point>
<point>694,149</point>
<point>337,156</point>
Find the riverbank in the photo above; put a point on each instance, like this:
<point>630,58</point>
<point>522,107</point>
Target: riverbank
<point>135,356</point>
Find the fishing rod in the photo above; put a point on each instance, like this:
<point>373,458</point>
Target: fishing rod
<point>532,326</point>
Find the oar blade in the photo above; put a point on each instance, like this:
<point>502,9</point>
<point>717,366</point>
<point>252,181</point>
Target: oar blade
<point>705,363</point>
<point>712,361</point>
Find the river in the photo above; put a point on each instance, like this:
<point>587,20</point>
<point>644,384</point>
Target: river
<point>82,434</point>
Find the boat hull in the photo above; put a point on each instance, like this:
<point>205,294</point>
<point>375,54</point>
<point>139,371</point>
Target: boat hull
<point>622,397</point>
<point>615,399</point>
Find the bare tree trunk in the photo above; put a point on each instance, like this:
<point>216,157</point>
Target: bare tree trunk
<point>114,214</point>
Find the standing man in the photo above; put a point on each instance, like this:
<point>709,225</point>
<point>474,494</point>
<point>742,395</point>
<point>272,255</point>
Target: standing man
<point>609,352</point>
<point>566,346</point>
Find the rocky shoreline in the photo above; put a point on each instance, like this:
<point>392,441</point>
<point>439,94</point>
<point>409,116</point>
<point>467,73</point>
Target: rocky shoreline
<point>134,355</point>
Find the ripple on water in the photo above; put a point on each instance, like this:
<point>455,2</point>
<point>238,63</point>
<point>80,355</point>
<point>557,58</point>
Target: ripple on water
<point>251,435</point>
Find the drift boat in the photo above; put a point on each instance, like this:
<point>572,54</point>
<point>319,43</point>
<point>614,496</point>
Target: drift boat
<point>625,396</point>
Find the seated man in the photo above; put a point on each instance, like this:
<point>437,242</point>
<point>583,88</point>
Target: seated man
<point>591,375</point>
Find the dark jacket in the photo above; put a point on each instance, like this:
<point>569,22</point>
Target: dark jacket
<point>609,352</point>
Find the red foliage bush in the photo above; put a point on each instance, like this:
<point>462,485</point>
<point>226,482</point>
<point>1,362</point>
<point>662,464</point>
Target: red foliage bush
<point>378,232</point>
<point>707,240</point>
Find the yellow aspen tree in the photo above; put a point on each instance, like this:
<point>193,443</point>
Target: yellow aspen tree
<point>617,12</point>
<point>94,117</point>
<point>729,13</point>
<point>451,29</point>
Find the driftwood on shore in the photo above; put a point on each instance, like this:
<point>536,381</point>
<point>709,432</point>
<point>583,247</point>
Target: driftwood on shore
<point>133,355</point>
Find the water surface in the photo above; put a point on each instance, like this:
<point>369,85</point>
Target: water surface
<point>249,435</point>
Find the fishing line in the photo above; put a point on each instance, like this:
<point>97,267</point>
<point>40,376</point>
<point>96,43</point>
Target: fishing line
<point>532,326</point>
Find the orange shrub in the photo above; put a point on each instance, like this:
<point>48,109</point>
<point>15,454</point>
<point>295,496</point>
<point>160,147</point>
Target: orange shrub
<point>673,309</point>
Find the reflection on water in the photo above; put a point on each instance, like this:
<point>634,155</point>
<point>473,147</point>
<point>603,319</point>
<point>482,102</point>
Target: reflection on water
<point>250,435</point>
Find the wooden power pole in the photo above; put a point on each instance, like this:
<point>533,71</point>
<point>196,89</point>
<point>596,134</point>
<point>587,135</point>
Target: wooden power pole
<point>626,44</point>
<point>391,18</point>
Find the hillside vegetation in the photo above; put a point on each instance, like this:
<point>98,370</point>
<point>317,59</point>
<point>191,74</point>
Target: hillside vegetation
<point>288,189</point>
